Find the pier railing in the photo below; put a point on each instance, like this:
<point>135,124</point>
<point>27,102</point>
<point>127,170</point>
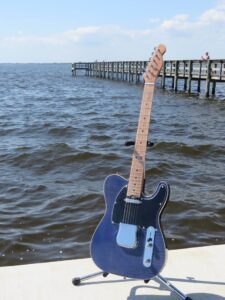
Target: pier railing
<point>212,71</point>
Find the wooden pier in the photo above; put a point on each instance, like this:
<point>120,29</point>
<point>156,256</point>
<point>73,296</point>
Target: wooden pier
<point>181,72</point>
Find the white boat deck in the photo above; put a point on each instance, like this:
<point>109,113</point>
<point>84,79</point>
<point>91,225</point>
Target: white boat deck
<point>197,272</point>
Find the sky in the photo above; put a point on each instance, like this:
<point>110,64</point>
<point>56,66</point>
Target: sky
<point>72,31</point>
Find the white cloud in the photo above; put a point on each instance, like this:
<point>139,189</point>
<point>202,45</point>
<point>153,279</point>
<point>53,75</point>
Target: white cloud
<point>221,4</point>
<point>185,36</point>
<point>76,35</point>
<point>82,43</point>
<point>177,22</point>
<point>183,22</point>
<point>73,35</point>
<point>212,16</point>
<point>154,20</point>
<point>189,37</point>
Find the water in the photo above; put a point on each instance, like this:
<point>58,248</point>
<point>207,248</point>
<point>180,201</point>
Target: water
<point>60,138</point>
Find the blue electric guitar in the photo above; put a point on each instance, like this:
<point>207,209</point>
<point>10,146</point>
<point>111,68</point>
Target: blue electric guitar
<point>129,240</point>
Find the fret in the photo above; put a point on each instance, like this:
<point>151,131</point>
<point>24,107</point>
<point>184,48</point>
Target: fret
<point>136,184</point>
<point>137,155</point>
<point>141,127</point>
<point>140,148</point>
<point>138,166</point>
<point>136,169</point>
<point>146,106</point>
<point>135,179</point>
<point>135,189</point>
<point>141,136</point>
<point>141,133</point>
<point>144,116</point>
<point>141,141</point>
<point>137,173</point>
<point>141,151</point>
<point>144,120</point>
<point>141,144</point>
<point>140,155</point>
<point>138,158</point>
<point>148,91</point>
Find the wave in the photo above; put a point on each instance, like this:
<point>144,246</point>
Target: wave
<point>189,150</point>
<point>62,131</point>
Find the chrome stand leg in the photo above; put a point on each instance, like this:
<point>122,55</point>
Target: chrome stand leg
<point>172,287</point>
<point>78,280</point>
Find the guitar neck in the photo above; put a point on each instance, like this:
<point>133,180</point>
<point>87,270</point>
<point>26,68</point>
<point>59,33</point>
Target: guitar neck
<point>137,172</point>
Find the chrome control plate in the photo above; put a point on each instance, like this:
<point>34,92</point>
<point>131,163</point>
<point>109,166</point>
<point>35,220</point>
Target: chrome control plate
<point>149,246</point>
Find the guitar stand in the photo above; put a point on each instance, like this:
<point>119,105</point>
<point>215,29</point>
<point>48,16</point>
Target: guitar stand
<point>78,280</point>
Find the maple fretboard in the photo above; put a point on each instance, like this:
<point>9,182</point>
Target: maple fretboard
<point>137,172</point>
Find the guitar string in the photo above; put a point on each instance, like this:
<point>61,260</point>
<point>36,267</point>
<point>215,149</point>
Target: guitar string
<point>126,214</point>
<point>131,213</point>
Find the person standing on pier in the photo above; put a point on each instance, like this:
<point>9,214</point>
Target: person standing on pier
<point>205,56</point>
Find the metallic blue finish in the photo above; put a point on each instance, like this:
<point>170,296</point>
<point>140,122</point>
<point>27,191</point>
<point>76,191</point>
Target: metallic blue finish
<point>110,257</point>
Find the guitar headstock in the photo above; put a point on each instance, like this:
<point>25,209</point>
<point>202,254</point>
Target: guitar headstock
<point>155,64</point>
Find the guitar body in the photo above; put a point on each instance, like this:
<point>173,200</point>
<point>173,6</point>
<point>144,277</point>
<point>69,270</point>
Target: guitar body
<point>113,258</point>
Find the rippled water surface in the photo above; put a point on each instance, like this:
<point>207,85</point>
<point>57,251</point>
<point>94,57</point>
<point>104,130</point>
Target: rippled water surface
<point>60,138</point>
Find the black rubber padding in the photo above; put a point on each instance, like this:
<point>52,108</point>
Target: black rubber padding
<point>76,281</point>
<point>146,280</point>
<point>188,298</point>
<point>105,274</point>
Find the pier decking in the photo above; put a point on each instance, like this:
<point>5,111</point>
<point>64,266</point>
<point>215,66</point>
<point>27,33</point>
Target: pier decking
<point>198,272</point>
<point>210,71</point>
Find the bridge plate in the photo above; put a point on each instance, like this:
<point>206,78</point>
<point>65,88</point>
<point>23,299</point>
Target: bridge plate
<point>127,235</point>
